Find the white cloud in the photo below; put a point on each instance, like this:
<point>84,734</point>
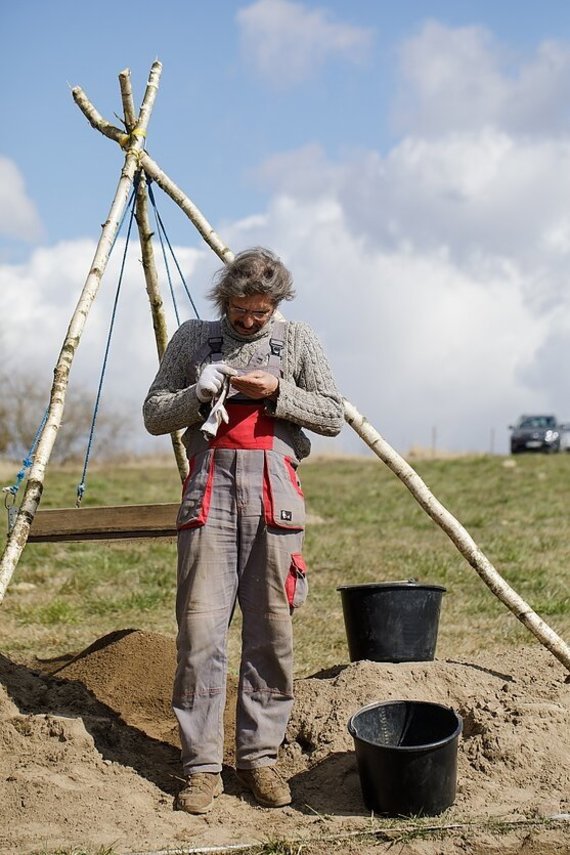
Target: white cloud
<point>18,215</point>
<point>287,42</point>
<point>305,172</point>
<point>463,79</point>
<point>485,197</point>
<point>487,200</point>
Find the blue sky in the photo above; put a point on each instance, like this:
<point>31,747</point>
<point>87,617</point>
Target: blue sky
<point>409,161</point>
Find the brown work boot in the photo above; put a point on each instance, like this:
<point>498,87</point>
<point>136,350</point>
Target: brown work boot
<point>267,785</point>
<point>199,793</point>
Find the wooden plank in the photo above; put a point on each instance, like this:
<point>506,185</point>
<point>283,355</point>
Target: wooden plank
<point>104,523</point>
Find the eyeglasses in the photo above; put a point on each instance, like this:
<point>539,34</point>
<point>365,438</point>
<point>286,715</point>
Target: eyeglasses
<point>259,315</point>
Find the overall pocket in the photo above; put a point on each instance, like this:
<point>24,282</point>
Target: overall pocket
<point>197,492</point>
<point>297,586</point>
<point>283,500</point>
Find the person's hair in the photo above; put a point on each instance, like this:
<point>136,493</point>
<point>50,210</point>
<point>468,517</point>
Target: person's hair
<point>252,272</point>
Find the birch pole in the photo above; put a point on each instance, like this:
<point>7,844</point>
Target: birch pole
<point>18,535</point>
<point>192,212</point>
<point>458,535</point>
<point>156,306</point>
<point>148,262</point>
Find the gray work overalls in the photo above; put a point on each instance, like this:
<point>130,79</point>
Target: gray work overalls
<point>240,536</point>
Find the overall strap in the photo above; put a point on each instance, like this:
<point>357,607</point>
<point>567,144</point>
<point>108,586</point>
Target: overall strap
<point>270,351</point>
<point>215,341</point>
<point>276,345</point>
<point>211,350</point>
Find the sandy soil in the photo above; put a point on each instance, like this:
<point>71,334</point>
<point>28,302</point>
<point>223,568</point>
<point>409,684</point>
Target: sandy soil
<point>89,756</point>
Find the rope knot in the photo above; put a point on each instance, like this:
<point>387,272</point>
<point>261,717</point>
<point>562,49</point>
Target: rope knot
<point>128,141</point>
<point>80,493</point>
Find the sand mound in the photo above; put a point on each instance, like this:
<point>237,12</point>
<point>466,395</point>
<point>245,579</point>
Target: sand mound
<point>89,751</point>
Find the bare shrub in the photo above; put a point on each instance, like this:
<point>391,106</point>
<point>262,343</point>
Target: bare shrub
<point>23,402</point>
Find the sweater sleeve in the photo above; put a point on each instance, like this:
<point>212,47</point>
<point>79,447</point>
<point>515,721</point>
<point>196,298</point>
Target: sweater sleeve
<point>308,395</point>
<point>171,403</point>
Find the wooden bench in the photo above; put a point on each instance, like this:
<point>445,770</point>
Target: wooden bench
<point>104,523</point>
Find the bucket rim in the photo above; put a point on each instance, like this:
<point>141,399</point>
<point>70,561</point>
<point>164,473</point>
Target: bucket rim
<point>407,748</point>
<point>421,586</point>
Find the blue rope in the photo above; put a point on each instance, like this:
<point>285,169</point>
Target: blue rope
<point>81,486</point>
<point>28,460</point>
<point>162,232</point>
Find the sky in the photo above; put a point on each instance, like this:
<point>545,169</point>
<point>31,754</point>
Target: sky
<point>409,162</point>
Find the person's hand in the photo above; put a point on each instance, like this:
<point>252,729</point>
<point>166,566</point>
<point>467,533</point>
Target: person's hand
<point>211,379</point>
<point>256,384</point>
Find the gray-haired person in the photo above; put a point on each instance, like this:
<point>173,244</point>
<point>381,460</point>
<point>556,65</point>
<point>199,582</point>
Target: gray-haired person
<point>243,387</point>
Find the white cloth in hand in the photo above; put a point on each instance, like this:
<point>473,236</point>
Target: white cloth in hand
<point>218,413</point>
<point>211,379</point>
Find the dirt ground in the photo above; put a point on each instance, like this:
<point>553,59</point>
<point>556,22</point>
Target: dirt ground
<point>89,757</point>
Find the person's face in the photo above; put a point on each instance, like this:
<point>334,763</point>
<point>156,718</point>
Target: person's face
<point>247,315</point>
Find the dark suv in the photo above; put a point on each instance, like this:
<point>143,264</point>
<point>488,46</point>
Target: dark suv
<point>535,433</point>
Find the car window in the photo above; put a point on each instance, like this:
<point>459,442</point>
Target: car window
<point>538,422</point>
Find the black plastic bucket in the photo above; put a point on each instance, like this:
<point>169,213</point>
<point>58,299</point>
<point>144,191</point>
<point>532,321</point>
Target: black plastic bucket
<point>406,753</point>
<point>391,621</point>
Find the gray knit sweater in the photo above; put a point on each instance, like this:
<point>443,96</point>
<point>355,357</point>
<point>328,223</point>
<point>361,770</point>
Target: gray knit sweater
<point>308,396</point>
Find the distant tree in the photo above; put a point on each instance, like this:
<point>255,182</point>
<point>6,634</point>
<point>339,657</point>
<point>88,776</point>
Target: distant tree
<point>23,402</point>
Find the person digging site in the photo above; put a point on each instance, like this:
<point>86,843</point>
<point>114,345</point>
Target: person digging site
<point>243,387</point>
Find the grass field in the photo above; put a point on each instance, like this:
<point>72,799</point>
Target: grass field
<point>364,526</point>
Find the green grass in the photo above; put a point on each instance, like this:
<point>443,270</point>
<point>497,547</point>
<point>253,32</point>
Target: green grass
<point>365,526</point>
